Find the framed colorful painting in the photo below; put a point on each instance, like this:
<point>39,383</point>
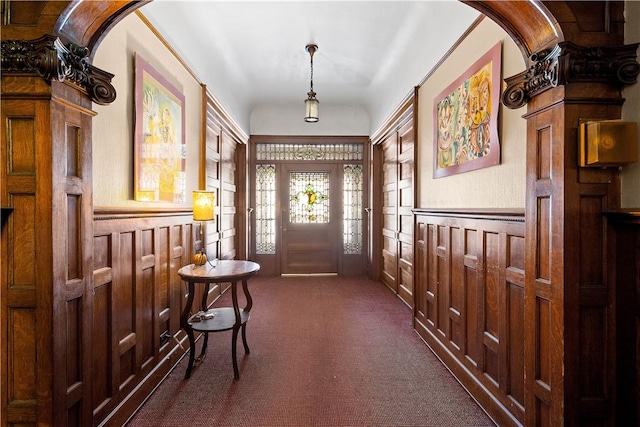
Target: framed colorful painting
<point>466,118</point>
<point>160,152</point>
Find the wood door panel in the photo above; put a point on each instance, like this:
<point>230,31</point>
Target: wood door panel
<point>396,174</point>
<point>310,247</point>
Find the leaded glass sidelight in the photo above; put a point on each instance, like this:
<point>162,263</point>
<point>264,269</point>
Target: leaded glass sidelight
<point>308,197</point>
<point>265,209</point>
<point>352,209</point>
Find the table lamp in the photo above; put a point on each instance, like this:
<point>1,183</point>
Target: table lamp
<point>203,210</point>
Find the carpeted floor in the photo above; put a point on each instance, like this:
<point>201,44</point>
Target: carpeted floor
<point>325,351</point>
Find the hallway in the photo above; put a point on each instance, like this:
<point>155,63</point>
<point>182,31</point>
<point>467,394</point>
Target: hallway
<point>325,351</point>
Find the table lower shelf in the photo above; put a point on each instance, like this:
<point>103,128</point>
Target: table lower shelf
<point>224,318</point>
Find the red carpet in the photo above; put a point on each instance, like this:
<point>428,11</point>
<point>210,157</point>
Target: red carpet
<point>325,351</point>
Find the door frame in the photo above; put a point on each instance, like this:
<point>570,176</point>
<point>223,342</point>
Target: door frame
<point>348,264</point>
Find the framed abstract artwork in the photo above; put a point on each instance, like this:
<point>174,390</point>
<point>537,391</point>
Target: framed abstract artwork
<point>466,118</point>
<point>159,143</point>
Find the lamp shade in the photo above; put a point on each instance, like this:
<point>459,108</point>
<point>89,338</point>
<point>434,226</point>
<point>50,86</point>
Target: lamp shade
<point>311,107</point>
<point>203,205</point>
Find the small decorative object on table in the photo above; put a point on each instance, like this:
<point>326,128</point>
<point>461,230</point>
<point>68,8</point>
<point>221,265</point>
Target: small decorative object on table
<point>200,258</point>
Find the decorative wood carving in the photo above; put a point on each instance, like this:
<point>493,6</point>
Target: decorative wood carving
<point>52,60</point>
<point>541,75</point>
<point>569,63</point>
<point>615,64</point>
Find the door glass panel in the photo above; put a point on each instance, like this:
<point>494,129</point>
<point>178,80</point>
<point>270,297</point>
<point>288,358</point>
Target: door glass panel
<point>308,197</point>
<point>265,209</point>
<point>352,209</point>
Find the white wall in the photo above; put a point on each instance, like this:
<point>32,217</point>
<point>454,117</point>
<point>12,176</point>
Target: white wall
<point>630,176</point>
<point>113,127</point>
<point>343,120</point>
<point>493,187</point>
<point>501,186</point>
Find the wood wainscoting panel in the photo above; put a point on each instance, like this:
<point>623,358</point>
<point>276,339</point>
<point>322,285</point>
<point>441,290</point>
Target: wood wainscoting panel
<point>469,302</point>
<point>137,301</point>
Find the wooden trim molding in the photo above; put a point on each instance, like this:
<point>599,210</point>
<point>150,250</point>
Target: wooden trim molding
<point>624,216</point>
<point>107,213</point>
<point>510,215</point>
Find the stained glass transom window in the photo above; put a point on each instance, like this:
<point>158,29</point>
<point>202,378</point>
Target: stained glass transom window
<point>297,152</point>
<point>352,209</point>
<point>308,197</point>
<point>265,209</point>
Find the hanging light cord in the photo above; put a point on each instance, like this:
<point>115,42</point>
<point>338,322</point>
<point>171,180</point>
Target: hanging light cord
<point>311,52</point>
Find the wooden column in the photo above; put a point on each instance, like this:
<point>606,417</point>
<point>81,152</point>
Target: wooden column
<point>47,242</point>
<point>570,303</point>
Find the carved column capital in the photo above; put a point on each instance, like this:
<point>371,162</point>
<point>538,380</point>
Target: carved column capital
<point>52,60</point>
<point>570,63</point>
<point>613,64</point>
<point>541,75</point>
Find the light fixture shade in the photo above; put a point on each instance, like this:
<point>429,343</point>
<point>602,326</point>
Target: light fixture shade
<point>203,205</point>
<point>311,108</point>
<point>608,143</point>
<point>311,104</point>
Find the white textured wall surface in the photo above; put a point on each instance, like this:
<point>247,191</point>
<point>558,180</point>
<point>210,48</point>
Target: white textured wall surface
<point>501,186</point>
<point>113,127</point>
<point>340,120</point>
<point>630,176</point>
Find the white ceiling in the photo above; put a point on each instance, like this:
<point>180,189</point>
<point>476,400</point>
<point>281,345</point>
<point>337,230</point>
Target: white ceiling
<point>252,53</point>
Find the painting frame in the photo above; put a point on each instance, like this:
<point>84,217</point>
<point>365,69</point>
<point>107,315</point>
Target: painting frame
<point>466,114</point>
<point>159,141</point>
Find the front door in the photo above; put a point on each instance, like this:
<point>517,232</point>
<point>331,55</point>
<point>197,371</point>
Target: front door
<point>311,218</point>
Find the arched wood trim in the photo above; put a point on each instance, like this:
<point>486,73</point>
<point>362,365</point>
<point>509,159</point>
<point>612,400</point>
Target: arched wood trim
<point>86,22</point>
<point>530,24</point>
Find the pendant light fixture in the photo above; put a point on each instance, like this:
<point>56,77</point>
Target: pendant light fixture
<point>311,103</point>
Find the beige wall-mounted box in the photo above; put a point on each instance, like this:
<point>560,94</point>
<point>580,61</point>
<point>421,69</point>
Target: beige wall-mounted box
<point>608,143</point>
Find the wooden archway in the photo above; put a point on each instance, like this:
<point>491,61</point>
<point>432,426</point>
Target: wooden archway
<point>56,39</point>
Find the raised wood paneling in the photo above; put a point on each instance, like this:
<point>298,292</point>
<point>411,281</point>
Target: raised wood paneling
<point>220,172</point>
<point>228,198</point>
<point>469,302</point>
<point>210,175</point>
<point>137,301</point>
<point>406,191</point>
<point>19,375</point>
<point>395,169</point>
<point>569,300</point>
<point>389,273</point>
